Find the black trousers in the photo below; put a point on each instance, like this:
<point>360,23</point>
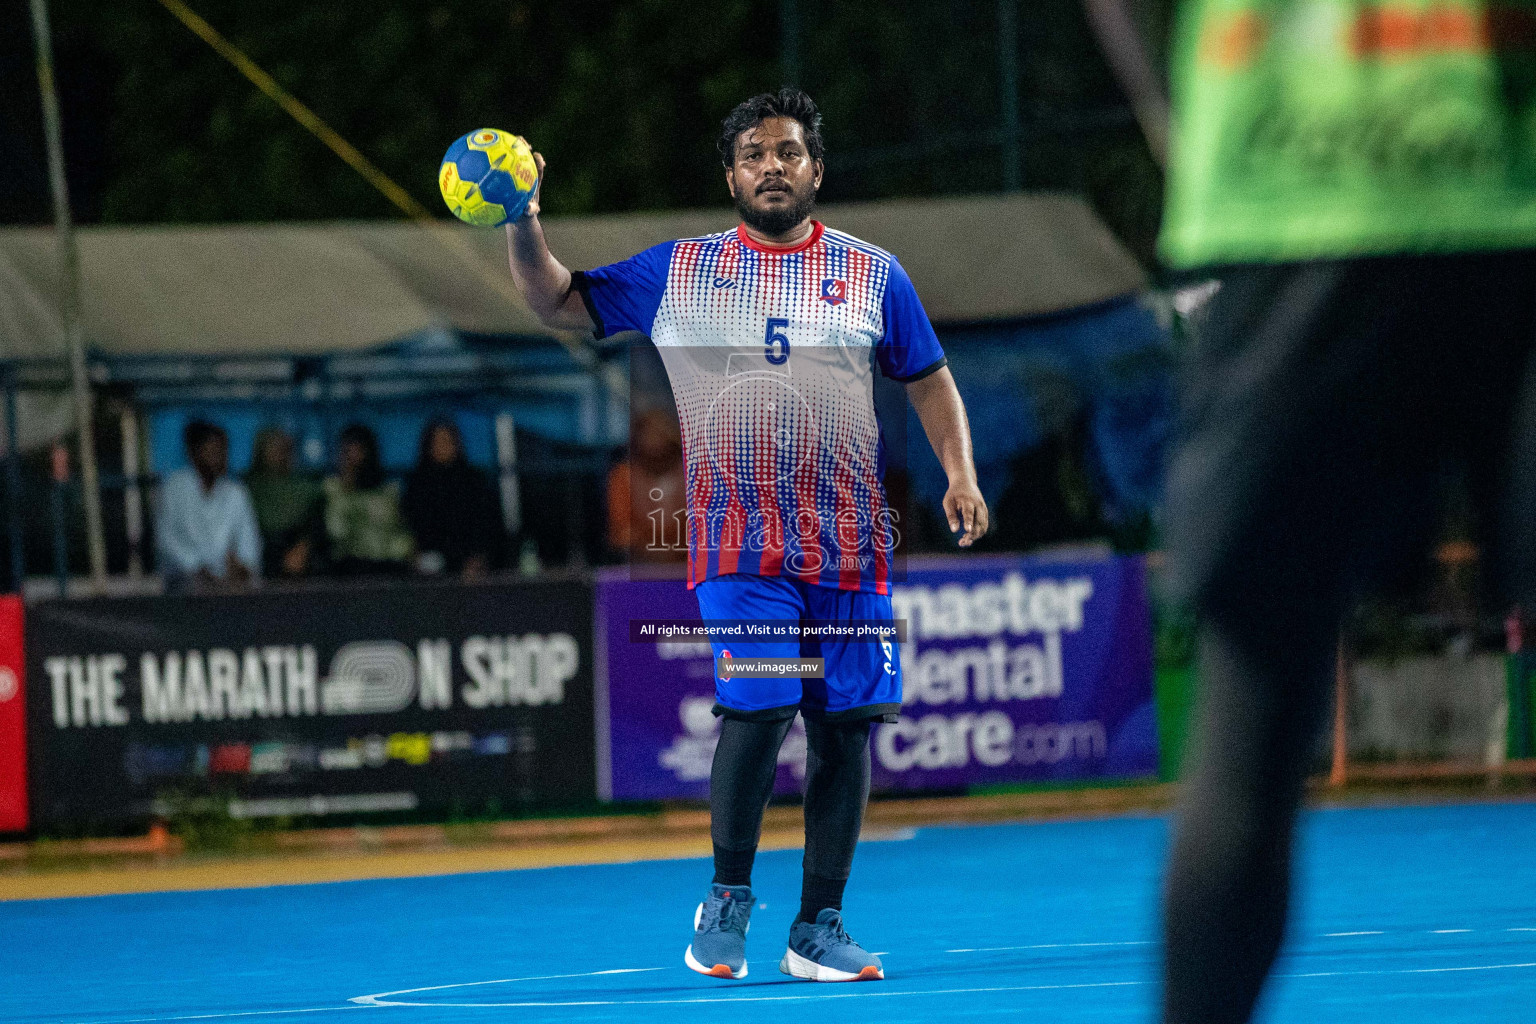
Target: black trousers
<point>1322,403</point>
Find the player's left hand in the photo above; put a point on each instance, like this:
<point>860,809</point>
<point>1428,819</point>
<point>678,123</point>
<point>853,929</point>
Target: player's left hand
<point>964,506</point>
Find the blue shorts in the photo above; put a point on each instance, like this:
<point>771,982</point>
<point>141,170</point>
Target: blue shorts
<point>863,677</point>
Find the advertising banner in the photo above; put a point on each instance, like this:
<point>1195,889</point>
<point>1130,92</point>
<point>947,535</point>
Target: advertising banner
<point>1019,670</point>
<point>382,697</point>
<point>1014,670</point>
<point>13,718</point>
<point>661,730</point>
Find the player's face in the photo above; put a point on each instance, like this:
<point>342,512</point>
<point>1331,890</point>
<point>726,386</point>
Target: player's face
<point>773,179</point>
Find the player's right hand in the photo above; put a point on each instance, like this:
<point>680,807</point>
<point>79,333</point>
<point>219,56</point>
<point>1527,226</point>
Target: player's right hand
<point>532,209</point>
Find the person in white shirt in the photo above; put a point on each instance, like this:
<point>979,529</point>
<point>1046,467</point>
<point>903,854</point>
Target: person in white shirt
<point>207,534</point>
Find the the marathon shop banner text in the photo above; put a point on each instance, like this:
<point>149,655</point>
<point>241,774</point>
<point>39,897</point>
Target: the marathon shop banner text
<point>1014,670</point>
<point>396,697</point>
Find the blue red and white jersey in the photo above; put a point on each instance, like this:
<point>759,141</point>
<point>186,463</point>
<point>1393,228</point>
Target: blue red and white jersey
<point>771,354</point>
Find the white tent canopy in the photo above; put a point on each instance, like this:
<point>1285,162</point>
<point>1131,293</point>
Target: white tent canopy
<point>335,287</point>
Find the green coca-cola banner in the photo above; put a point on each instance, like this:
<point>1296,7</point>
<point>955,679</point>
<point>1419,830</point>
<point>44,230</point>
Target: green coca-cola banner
<point>1317,128</point>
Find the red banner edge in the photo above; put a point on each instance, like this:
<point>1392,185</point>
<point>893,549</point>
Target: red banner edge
<point>14,811</point>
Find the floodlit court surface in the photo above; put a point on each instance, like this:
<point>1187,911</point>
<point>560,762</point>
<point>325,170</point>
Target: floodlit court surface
<point>1405,915</point>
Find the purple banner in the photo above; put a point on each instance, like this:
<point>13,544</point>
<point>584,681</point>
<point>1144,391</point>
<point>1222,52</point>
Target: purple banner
<point>659,695</point>
<point>1014,670</point>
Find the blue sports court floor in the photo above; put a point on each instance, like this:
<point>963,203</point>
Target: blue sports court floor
<point>1407,915</point>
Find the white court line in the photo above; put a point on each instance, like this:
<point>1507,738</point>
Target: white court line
<point>373,1000</point>
<point>874,993</point>
<point>1407,970</point>
<point>363,1003</point>
<point>381,999</point>
<point>893,835</point>
<point>366,1002</point>
<point>1046,945</point>
<point>867,993</point>
<point>221,1016</point>
<point>1449,931</point>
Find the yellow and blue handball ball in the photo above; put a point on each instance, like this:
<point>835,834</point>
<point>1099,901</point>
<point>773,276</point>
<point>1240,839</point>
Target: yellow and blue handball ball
<point>487,177</point>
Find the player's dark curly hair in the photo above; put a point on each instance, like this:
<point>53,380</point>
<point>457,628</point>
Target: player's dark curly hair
<point>753,112</point>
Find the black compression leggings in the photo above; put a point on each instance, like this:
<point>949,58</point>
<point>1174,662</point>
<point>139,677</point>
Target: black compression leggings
<point>836,792</point>
<point>1263,703</point>
<point>740,783</point>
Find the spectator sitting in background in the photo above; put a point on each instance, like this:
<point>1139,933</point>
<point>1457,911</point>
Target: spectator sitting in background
<point>206,535</point>
<point>646,518</point>
<point>362,510</point>
<point>451,507</point>
<point>289,507</point>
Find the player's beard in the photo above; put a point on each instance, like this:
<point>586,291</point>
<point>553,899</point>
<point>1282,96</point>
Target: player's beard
<point>776,220</point>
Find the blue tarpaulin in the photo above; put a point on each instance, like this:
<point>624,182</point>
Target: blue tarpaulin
<point>1108,367</point>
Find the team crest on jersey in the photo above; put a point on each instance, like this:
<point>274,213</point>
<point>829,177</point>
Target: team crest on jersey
<point>834,290</point>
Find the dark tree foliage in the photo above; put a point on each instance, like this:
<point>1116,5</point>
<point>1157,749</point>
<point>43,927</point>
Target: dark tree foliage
<point>623,97</point>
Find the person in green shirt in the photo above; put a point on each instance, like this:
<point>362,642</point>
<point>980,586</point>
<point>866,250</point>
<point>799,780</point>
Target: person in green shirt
<point>289,507</point>
<point>363,523</point>
<point>1361,179</point>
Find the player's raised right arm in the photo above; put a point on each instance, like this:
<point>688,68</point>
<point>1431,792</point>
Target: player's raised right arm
<point>544,281</point>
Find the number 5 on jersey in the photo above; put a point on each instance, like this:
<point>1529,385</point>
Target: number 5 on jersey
<point>775,343</point>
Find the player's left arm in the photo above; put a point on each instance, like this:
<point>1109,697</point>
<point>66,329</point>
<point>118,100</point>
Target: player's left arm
<point>910,352</point>
<point>942,413</point>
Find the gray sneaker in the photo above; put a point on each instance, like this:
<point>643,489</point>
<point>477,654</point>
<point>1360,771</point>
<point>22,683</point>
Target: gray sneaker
<point>824,952</point>
<point>720,926</point>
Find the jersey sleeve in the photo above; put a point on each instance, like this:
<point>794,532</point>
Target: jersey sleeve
<point>910,350</point>
<point>625,296</point>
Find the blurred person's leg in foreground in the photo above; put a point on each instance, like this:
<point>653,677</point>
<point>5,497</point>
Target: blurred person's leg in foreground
<point>1322,402</point>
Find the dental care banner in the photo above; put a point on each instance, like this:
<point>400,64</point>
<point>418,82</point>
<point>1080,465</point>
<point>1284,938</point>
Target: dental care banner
<point>1015,670</point>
